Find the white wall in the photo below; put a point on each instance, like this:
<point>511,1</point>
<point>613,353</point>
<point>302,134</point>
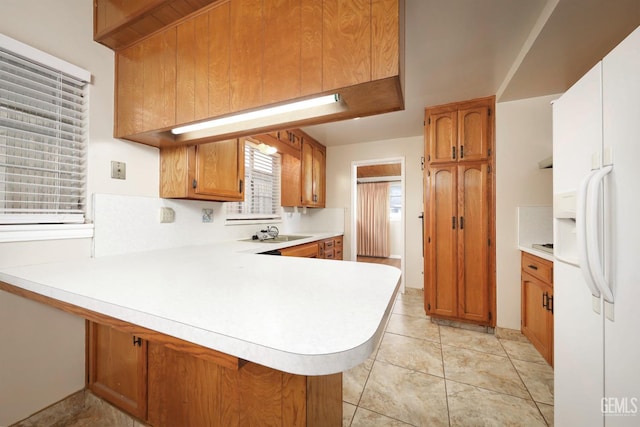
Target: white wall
<point>523,137</point>
<point>34,372</point>
<point>339,159</point>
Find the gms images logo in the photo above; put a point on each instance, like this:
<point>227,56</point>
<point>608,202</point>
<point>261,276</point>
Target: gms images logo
<point>619,406</point>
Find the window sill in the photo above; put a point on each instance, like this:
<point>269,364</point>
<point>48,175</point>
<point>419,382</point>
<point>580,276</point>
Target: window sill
<point>31,232</point>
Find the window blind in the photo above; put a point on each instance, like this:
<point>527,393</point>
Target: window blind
<point>43,121</point>
<point>262,187</point>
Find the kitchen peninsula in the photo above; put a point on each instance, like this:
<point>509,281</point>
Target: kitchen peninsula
<point>270,334</point>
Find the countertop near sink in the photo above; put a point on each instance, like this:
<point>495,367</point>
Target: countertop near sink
<point>298,315</point>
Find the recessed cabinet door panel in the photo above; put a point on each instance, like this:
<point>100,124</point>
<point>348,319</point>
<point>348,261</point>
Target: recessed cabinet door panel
<point>473,235</point>
<point>442,137</point>
<point>473,127</point>
<point>318,176</point>
<point>215,171</point>
<point>290,180</point>
<point>307,173</point>
<point>442,204</point>
<point>536,319</point>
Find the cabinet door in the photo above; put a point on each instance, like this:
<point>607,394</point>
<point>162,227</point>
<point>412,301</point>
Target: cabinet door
<point>537,321</point>
<point>441,137</point>
<point>440,289</point>
<point>307,173</point>
<point>219,60</point>
<point>308,250</point>
<point>246,66</point>
<point>290,181</point>
<point>129,102</point>
<point>118,368</point>
<point>473,241</point>
<point>319,168</point>
<point>192,68</point>
<point>473,134</point>
<point>159,77</point>
<point>346,46</point>
<point>220,170</point>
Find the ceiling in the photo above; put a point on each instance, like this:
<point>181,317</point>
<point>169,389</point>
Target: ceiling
<point>457,50</point>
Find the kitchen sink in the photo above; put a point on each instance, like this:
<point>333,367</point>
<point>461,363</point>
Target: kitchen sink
<point>281,238</point>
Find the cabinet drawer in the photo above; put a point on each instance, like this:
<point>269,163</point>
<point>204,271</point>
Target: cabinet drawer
<point>537,267</point>
<point>329,244</point>
<point>329,254</point>
<point>338,254</point>
<point>338,242</point>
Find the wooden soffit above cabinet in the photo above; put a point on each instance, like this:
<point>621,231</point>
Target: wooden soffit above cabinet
<point>235,56</point>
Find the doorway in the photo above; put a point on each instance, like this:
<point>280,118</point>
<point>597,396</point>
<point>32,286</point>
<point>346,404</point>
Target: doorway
<point>378,212</point>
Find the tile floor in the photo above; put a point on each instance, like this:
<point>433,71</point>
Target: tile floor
<point>424,374</point>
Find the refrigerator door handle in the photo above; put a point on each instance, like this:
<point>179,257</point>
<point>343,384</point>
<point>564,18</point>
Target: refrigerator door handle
<point>581,230</point>
<point>593,232</point>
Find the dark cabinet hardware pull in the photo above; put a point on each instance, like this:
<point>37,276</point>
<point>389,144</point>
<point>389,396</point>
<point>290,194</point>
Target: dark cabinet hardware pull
<point>461,223</point>
<point>137,341</point>
<point>194,183</point>
<point>545,300</point>
<point>533,267</point>
<point>241,182</point>
<point>453,152</point>
<point>462,151</point>
<point>453,222</point>
<point>550,304</point>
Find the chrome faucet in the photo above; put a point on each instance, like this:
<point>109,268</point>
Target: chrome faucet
<point>270,232</point>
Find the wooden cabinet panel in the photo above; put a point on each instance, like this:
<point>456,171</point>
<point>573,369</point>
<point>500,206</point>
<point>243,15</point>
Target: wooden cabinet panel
<point>118,368</point>
<point>537,305</point>
<point>307,250</point>
<point>319,168</point>
<point>473,133</point>
<point>459,132</point>
<point>290,183</point>
<point>211,171</point>
<point>346,47</point>
<point>220,169</point>
<point>442,202</point>
<point>129,91</point>
<point>307,173</point>
<point>385,38</point>
<point>313,173</point>
<point>247,34</point>
<point>473,232</point>
<point>310,47</point>
<point>159,77</point>
<point>441,136</point>
<point>282,43</point>
<point>219,60</point>
<point>192,68</point>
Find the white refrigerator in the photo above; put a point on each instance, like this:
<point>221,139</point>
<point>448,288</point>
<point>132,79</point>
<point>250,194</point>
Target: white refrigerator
<point>596,184</point>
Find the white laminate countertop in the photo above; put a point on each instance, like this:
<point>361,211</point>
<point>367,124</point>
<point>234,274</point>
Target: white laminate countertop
<point>537,252</point>
<point>298,315</point>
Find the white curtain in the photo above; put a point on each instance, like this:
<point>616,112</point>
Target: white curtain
<point>373,219</point>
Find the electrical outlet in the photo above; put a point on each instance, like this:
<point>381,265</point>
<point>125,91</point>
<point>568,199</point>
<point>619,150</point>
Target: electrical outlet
<point>207,215</point>
<point>167,215</point>
<point>118,170</point>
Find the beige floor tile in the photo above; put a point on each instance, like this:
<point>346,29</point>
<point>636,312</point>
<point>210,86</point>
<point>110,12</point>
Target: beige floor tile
<point>538,378</point>
<point>522,351</point>
<point>353,381</point>
<point>412,397</point>
<point>347,413</point>
<point>473,406</point>
<point>482,370</point>
<point>471,340</point>
<point>414,327</point>
<point>510,334</point>
<point>547,412</point>
<point>364,418</point>
<point>411,353</point>
<point>410,305</point>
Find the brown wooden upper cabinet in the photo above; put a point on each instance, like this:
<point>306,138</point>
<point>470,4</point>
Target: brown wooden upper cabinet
<point>313,173</point>
<point>458,133</point>
<point>212,171</point>
<point>238,55</point>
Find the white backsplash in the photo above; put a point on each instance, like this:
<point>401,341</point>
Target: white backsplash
<point>535,225</point>
<point>126,224</point>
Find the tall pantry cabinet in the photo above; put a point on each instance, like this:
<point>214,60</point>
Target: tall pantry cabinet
<point>459,212</point>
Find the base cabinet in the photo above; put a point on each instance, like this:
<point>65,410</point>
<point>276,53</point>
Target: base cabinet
<point>537,304</point>
<point>170,383</point>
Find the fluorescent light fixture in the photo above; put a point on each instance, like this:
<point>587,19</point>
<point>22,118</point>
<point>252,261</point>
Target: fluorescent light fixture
<point>255,116</point>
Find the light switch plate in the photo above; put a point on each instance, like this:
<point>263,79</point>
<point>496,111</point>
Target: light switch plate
<point>118,170</point>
